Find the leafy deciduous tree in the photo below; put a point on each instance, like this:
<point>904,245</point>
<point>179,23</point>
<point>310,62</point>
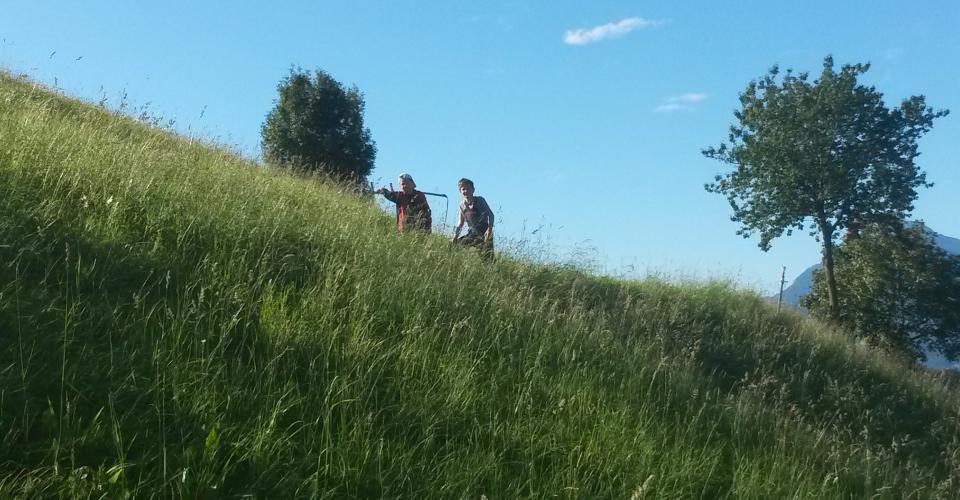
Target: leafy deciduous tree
<point>820,156</point>
<point>901,291</point>
<point>317,124</point>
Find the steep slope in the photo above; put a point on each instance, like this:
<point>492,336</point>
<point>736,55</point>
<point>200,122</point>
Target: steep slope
<point>178,322</point>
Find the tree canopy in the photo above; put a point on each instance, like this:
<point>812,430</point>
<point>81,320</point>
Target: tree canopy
<point>901,291</point>
<point>317,124</point>
<point>821,155</point>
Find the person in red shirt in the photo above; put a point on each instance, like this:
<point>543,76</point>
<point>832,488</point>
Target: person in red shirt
<point>413,211</point>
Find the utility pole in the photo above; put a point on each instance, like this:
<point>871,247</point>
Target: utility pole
<point>783,279</point>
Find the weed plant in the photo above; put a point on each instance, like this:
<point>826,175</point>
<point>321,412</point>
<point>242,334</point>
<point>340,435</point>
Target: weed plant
<point>178,322</point>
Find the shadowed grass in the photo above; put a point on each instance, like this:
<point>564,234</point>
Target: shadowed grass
<point>175,321</point>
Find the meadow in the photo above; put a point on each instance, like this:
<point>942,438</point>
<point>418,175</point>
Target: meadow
<point>176,321</point>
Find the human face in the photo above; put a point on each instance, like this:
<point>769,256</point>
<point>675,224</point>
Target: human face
<point>466,191</point>
<point>406,186</point>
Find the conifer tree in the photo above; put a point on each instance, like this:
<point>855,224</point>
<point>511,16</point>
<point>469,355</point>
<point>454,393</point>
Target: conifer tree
<point>317,125</point>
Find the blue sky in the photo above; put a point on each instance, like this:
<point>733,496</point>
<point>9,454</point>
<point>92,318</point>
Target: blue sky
<point>584,119</point>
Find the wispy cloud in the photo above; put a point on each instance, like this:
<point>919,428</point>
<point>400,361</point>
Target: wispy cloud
<point>893,53</point>
<point>688,98</point>
<point>615,29</point>
<point>669,108</point>
<point>681,102</point>
<point>555,176</point>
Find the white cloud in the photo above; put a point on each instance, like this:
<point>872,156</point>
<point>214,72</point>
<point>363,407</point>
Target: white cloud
<point>681,102</point>
<point>688,98</point>
<point>556,176</point>
<point>615,29</point>
<point>893,53</point>
<point>668,108</point>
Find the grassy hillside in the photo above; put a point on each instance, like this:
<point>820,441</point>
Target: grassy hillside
<point>175,321</point>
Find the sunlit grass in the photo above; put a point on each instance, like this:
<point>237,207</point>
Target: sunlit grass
<point>176,321</point>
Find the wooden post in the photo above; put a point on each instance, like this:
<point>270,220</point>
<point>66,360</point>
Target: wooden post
<point>783,276</point>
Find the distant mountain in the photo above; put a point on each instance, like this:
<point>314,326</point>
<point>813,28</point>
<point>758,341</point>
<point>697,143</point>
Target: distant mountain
<point>799,287</point>
<point>802,284</point>
<point>951,245</point>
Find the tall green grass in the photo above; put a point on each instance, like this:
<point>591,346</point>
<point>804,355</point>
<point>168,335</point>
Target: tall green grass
<point>175,321</point>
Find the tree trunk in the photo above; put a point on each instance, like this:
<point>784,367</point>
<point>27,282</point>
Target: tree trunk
<point>826,234</point>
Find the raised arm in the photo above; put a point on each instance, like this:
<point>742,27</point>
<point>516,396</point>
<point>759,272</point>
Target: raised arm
<point>388,194</point>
